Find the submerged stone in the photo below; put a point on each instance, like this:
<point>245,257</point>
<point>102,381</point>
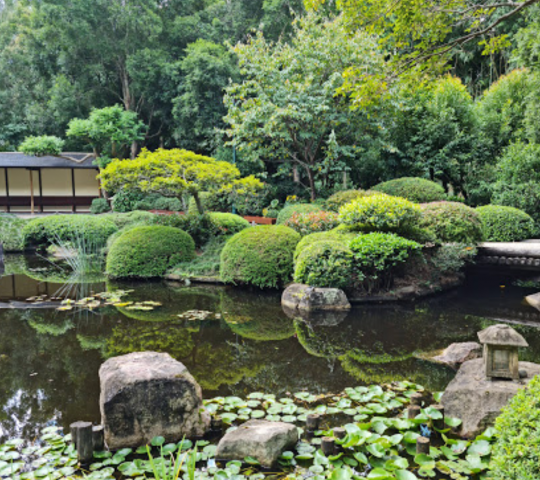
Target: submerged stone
<point>260,439</point>
<point>146,394</point>
<point>303,297</point>
<point>477,400</point>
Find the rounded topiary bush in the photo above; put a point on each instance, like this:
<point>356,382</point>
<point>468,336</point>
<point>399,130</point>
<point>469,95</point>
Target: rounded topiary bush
<point>338,199</point>
<point>306,223</point>
<point>228,223</point>
<point>260,256</point>
<point>379,212</point>
<point>516,451</point>
<point>505,224</point>
<point>78,229</point>
<point>326,263</point>
<point>288,211</point>
<point>336,236</point>
<point>148,252</point>
<point>137,217</point>
<point>452,222</point>
<point>100,205</point>
<point>415,189</point>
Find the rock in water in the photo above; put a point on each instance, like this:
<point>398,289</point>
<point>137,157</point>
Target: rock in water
<point>260,439</point>
<point>458,353</point>
<point>534,300</point>
<point>303,297</point>
<point>147,394</point>
<point>478,401</point>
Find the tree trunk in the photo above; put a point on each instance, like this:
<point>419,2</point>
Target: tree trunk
<point>199,203</point>
<point>134,149</point>
<point>311,180</point>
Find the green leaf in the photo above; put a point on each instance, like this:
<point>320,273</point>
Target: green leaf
<point>452,422</point>
<point>251,461</point>
<point>376,450</point>
<point>157,441</point>
<point>425,461</point>
<point>480,447</point>
<point>405,475</point>
<point>380,474</point>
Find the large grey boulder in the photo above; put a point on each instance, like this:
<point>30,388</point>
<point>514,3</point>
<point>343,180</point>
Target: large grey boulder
<point>458,353</point>
<point>303,297</point>
<point>260,439</point>
<point>533,300</point>
<point>147,394</point>
<point>478,401</point>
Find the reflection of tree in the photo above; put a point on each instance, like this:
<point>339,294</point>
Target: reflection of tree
<point>256,315</point>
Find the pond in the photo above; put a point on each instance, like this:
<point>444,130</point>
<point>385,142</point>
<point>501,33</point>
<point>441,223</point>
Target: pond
<point>237,341</point>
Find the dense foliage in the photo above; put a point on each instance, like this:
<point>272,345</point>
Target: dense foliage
<point>417,190</point>
<point>295,208</point>
<point>44,231</point>
<point>11,233</point>
<point>148,252</point>
<point>306,223</point>
<point>325,263</point>
<point>379,212</point>
<point>452,222</point>
<point>516,449</point>
<point>505,224</point>
<point>338,199</point>
<point>100,205</point>
<point>42,145</point>
<point>260,256</point>
<point>376,256</point>
<point>341,237</point>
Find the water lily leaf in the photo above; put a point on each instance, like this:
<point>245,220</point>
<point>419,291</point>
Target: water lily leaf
<point>287,455</point>
<point>425,461</point>
<point>229,417</point>
<point>157,441</point>
<point>405,475</point>
<point>140,451</point>
<point>185,445</point>
<point>380,474</point>
<point>376,450</point>
<point>448,453</point>
<point>396,463</point>
<point>289,418</point>
<point>395,439</point>
<point>169,448</point>
<point>480,447</point>
<point>424,472</point>
<point>433,413</point>
<point>379,427</point>
<point>344,473</point>
<point>251,461</point>
<point>350,461</point>
<point>256,395</point>
<point>437,396</point>
<point>304,456</point>
<point>410,437</point>
<point>361,457</point>
<point>452,422</point>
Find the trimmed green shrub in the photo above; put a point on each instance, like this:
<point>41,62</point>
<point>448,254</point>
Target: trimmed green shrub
<point>505,224</point>
<point>379,212</point>
<point>288,211</point>
<point>341,237</point>
<point>452,222</point>
<point>376,255</point>
<point>44,231</point>
<point>306,223</point>
<point>158,202</point>
<point>148,252</point>
<point>100,205</point>
<point>11,233</point>
<point>338,199</point>
<point>260,256</point>
<point>326,263</point>
<point>516,450</point>
<point>227,223</point>
<point>136,217</point>
<point>42,145</point>
<point>415,189</point>
<point>126,200</point>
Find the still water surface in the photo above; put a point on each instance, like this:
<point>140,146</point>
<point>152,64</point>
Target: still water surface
<point>49,359</point>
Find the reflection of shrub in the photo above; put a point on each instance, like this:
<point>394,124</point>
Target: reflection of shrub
<point>11,236</point>
<point>415,189</point>
<point>376,255</point>
<point>515,452</point>
<point>505,224</point>
<point>379,213</point>
<point>306,223</point>
<point>260,256</point>
<point>288,211</point>
<point>452,257</point>
<point>325,263</point>
<point>323,341</point>
<point>146,252</point>
<point>338,199</point>
<point>335,235</point>
<point>100,205</point>
<point>452,222</point>
<point>68,228</point>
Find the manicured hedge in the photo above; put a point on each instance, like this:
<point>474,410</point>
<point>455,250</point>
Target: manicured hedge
<point>306,223</point>
<point>44,231</point>
<point>452,222</point>
<point>326,263</point>
<point>340,237</point>
<point>288,211</point>
<point>260,256</point>
<point>11,236</point>
<point>516,450</point>
<point>338,199</point>
<point>148,252</point>
<point>227,223</point>
<point>379,212</point>
<point>505,224</point>
<point>415,189</point>
<point>137,217</point>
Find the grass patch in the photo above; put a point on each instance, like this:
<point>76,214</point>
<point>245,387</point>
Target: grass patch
<point>206,263</point>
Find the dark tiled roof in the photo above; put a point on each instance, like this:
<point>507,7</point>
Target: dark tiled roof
<point>67,160</point>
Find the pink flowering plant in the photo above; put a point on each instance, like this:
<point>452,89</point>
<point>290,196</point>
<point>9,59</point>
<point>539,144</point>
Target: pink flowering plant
<point>306,223</point>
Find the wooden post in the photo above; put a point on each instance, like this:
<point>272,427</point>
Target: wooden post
<point>422,445</point>
<point>413,411</point>
<point>74,206</point>
<point>8,208</point>
<point>340,433</point>
<point>2,267</point>
<point>312,422</point>
<point>31,192</point>
<point>98,438</point>
<point>85,443</point>
<point>328,446</point>
<point>40,180</point>
<point>416,399</point>
<point>439,424</point>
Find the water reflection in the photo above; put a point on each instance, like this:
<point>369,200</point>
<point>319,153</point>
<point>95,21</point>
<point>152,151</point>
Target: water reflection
<point>49,360</point>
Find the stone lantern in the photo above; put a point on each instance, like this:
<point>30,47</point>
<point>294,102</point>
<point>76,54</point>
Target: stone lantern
<point>501,345</point>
